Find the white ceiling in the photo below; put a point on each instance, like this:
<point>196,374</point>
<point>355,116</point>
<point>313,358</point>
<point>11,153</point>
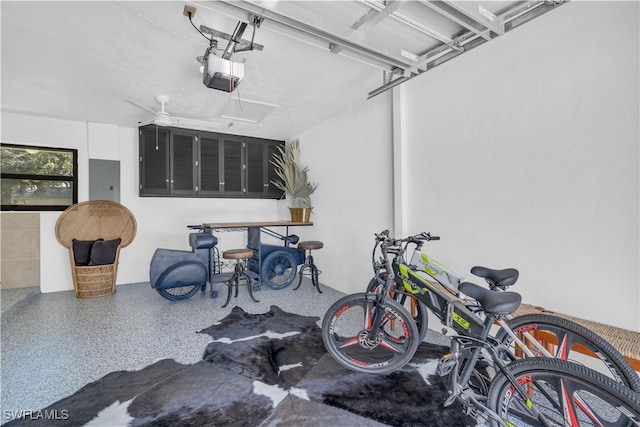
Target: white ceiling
<point>79,60</point>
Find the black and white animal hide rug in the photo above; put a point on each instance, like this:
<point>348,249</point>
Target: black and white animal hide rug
<point>266,369</point>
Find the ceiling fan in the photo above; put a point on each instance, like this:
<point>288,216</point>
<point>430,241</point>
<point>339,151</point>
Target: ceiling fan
<point>163,118</point>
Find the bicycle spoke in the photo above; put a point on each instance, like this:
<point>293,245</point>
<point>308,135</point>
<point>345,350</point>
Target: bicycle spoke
<point>564,345</point>
<point>566,399</point>
<point>386,343</point>
<point>539,387</point>
<point>350,342</point>
<point>587,410</point>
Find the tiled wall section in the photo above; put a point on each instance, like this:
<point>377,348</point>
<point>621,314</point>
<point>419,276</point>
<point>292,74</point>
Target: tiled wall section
<point>20,249</point>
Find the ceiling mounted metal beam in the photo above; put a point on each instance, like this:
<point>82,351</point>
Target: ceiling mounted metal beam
<point>374,16</point>
<point>458,17</point>
<point>513,18</point>
<point>275,18</point>
<point>410,22</point>
<point>377,14</point>
<point>479,14</point>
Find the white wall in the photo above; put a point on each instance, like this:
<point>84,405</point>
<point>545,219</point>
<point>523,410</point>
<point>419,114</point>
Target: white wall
<point>350,157</point>
<point>102,141</point>
<point>524,153</point>
<point>161,221</point>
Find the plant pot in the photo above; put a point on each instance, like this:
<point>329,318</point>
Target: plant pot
<point>300,214</point>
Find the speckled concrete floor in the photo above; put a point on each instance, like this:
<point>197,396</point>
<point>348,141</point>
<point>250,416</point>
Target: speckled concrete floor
<point>58,343</point>
<point>54,344</point>
<point>12,299</point>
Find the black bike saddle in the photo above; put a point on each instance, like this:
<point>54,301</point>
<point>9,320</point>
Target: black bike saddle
<point>492,301</point>
<point>497,278</point>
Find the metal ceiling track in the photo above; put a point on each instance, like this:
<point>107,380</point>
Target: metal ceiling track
<point>476,34</point>
<point>244,9</point>
<point>389,9</point>
<point>479,25</point>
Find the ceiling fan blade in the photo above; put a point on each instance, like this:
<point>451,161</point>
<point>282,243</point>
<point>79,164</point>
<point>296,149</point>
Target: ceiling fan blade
<point>135,104</point>
<point>195,123</point>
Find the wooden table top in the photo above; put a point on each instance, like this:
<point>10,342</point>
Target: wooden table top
<point>255,224</point>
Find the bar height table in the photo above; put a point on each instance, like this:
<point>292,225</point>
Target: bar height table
<point>260,250</point>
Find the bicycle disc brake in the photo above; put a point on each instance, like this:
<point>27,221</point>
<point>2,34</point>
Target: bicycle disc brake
<point>365,340</point>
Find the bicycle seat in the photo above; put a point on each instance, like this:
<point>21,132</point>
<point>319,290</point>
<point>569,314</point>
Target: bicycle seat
<point>492,301</point>
<point>497,278</point>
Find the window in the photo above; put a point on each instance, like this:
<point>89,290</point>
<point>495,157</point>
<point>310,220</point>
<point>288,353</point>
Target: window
<point>38,178</point>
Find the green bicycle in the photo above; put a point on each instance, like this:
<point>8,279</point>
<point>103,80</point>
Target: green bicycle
<point>516,333</point>
<point>374,333</point>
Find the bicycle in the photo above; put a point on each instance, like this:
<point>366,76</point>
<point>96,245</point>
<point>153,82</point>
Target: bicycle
<point>370,332</point>
<point>516,333</point>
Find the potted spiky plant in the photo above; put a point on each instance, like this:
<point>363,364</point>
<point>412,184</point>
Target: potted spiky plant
<point>294,180</point>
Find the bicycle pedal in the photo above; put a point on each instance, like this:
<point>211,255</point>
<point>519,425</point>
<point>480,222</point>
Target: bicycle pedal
<point>477,414</point>
<point>446,365</point>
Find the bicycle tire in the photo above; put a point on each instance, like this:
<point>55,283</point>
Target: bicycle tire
<point>179,293</point>
<point>421,318</point>
<point>594,399</point>
<point>574,334</point>
<point>346,330</point>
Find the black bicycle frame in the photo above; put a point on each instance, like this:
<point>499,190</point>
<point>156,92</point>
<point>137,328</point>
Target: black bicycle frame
<point>455,314</point>
<point>450,311</point>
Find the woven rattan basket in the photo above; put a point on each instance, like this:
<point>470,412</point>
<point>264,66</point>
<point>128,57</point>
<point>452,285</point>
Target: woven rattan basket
<point>93,220</point>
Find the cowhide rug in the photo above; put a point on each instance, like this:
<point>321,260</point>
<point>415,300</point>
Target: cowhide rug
<point>266,369</point>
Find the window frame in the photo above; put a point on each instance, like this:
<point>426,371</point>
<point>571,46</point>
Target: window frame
<point>73,179</point>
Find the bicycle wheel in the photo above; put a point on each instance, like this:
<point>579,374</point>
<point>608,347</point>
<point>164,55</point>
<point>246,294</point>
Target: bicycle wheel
<point>180,292</point>
<point>278,270</point>
<point>416,307</point>
<point>568,341</point>
<point>347,334</point>
<point>566,394</point>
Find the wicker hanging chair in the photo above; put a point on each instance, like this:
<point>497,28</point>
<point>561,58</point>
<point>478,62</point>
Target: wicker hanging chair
<point>88,222</point>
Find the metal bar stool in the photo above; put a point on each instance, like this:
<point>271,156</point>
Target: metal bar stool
<point>308,263</point>
<point>240,255</point>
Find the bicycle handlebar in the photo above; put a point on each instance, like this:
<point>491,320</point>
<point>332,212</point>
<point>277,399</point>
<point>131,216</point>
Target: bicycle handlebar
<point>397,247</point>
<point>383,237</point>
